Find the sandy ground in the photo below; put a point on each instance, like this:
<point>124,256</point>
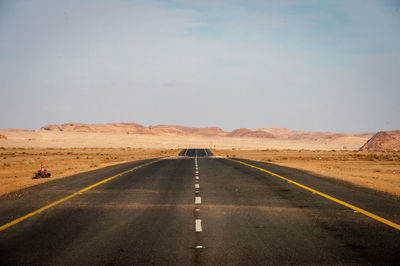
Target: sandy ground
<point>66,153</point>
<point>18,165</point>
<point>82,139</point>
<point>376,170</point>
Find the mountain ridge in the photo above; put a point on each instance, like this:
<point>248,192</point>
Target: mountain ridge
<point>177,130</point>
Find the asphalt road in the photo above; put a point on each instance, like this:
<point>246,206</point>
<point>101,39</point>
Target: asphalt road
<point>221,212</point>
<point>196,152</point>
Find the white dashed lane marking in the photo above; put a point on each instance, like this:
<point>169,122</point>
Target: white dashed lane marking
<point>198,225</point>
<point>197,200</point>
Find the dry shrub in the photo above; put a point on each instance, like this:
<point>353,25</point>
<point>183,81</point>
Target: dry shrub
<point>95,163</point>
<point>28,161</point>
<point>5,164</point>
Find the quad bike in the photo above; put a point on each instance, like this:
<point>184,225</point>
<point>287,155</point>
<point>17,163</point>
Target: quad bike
<point>42,173</point>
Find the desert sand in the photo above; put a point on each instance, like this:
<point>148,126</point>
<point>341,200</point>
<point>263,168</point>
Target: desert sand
<point>72,148</point>
<point>72,139</point>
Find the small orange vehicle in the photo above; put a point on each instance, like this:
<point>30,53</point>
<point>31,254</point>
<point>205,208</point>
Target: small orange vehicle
<point>42,173</point>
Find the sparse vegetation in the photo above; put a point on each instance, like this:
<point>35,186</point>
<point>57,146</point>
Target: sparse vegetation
<point>95,163</point>
<point>23,162</point>
<point>376,170</point>
<point>5,164</point>
<point>28,161</point>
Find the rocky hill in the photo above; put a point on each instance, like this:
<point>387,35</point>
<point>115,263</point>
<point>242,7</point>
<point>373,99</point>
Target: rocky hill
<point>382,141</point>
<point>134,128</point>
<point>394,133</point>
<point>171,130</point>
<point>244,132</point>
<point>286,133</point>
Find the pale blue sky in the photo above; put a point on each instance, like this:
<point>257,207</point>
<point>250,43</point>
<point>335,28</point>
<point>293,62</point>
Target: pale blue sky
<point>314,65</point>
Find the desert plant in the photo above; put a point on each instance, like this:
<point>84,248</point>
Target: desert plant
<point>6,164</point>
<point>28,161</point>
<point>95,163</point>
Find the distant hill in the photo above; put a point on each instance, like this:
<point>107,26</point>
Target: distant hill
<point>383,141</point>
<point>134,128</point>
<point>125,128</point>
<point>394,133</point>
<point>244,132</point>
<point>286,133</point>
<point>172,130</point>
<point>276,131</point>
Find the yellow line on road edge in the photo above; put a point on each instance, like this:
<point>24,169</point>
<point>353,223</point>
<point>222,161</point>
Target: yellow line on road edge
<point>206,152</point>
<point>185,152</point>
<point>3,227</point>
<point>371,215</point>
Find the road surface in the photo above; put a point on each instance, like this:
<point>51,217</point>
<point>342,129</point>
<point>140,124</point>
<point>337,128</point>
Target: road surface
<point>197,210</point>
